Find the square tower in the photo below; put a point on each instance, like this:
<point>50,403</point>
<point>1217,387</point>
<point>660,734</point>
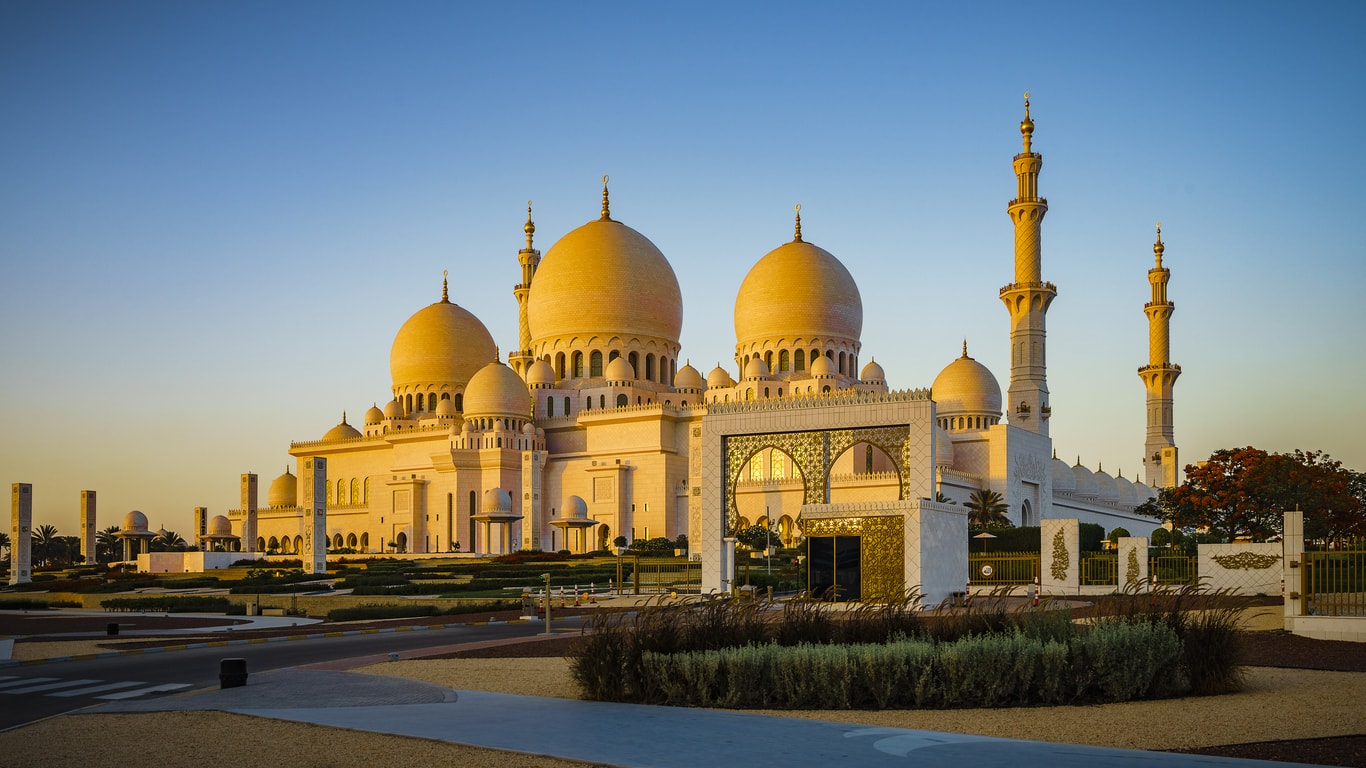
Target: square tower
<point>88,526</point>
<point>313,476</point>
<point>248,512</point>
<point>21,534</point>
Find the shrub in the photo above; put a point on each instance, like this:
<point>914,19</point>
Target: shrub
<point>24,604</point>
<point>169,604</point>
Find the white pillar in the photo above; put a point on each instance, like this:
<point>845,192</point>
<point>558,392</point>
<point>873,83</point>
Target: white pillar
<point>88,526</point>
<point>1133,562</point>
<point>314,479</point>
<point>1292,566</point>
<point>21,534</point>
<point>1059,556</point>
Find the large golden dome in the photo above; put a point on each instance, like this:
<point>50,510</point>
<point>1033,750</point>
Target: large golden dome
<point>497,390</point>
<point>442,344</point>
<point>284,490</point>
<point>604,279</point>
<point>965,386</point>
<point>798,290</point>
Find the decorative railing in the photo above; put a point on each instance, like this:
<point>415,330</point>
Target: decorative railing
<point>822,400</point>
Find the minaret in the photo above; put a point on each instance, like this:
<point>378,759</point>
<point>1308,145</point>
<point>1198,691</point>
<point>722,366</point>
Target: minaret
<point>1027,298</point>
<point>529,258</point>
<point>1159,378</point>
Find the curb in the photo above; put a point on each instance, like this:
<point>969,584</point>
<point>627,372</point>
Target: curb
<point>8,663</point>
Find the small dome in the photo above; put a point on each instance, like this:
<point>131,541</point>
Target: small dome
<point>135,521</point>
<point>392,410</point>
<point>688,377</point>
<point>966,386</point>
<point>1145,492</point>
<point>620,370</point>
<point>496,501</point>
<point>1105,486</point>
<point>540,374</point>
<point>575,507</point>
<point>441,344</point>
<point>342,431</point>
<point>283,491</point>
<point>873,374</point>
<point>220,526</point>
<point>943,448</point>
<point>822,366</point>
<point>719,379</point>
<point>497,390</point>
<point>445,408</point>
<point>798,290</point>
<point>1127,493</point>
<point>1063,477</point>
<point>529,428</point>
<point>756,368</point>
<point>373,416</point>
<point>1086,482</point>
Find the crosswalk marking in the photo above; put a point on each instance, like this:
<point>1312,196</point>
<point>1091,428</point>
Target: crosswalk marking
<point>140,691</point>
<point>29,681</point>
<point>48,686</point>
<point>98,688</point>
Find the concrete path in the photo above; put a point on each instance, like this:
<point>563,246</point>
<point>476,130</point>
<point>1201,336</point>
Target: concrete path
<point>627,734</point>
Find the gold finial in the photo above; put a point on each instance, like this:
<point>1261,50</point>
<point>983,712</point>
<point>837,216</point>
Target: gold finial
<point>1055,454</point>
<point>445,292</point>
<point>1158,247</point>
<point>606,210</point>
<point>797,236</point>
<point>530,227</point>
<point>965,347</point>
<point>1027,125</point>
<point>1079,459</point>
<point>343,417</point>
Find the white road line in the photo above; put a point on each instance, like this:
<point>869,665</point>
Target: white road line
<point>48,686</point>
<point>98,688</point>
<point>29,681</point>
<point>140,691</point>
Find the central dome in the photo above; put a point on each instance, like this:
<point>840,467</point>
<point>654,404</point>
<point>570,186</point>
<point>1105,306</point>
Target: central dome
<point>798,290</point>
<point>442,344</point>
<point>604,279</point>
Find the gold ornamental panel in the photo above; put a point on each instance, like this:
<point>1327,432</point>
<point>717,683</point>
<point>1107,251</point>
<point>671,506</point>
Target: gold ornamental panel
<point>893,441</point>
<point>809,453</point>
<point>882,559</point>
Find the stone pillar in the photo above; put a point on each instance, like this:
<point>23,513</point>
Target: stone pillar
<point>1133,563</point>
<point>249,512</point>
<point>1059,556</point>
<point>1292,566</point>
<point>21,534</point>
<point>88,526</point>
<point>313,476</point>
<point>727,564</point>
<point>533,518</point>
<point>201,527</point>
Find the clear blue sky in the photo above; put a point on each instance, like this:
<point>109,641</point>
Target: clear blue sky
<point>214,216</point>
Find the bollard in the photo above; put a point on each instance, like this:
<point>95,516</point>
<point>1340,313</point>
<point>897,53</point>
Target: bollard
<point>112,628</point>
<point>967,593</point>
<point>1036,591</point>
<point>232,673</point>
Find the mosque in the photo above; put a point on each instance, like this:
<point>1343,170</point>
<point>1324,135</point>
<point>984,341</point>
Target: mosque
<point>593,428</point>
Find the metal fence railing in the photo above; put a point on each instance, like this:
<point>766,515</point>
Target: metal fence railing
<point>656,575</point>
<point>1334,579</point>
<point>1098,569</point>
<point>1173,569</point>
<point>1002,568</point>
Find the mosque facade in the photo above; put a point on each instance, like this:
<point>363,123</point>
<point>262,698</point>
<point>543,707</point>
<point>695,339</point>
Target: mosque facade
<point>593,428</point>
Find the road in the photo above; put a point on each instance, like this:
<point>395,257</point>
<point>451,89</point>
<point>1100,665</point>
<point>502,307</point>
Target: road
<point>29,693</point>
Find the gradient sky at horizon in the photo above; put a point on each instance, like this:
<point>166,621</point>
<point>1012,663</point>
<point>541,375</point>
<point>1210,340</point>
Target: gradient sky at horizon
<point>217,215</point>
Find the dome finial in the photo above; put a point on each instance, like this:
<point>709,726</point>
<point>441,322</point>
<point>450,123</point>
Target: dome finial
<point>797,236</point>
<point>1055,454</point>
<point>1026,125</point>
<point>445,293</point>
<point>606,209</point>
<point>343,417</point>
<point>530,228</point>
<point>1158,247</point>
<point>965,347</point>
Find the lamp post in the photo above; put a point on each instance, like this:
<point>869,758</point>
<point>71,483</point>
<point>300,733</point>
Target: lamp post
<point>546,576</point>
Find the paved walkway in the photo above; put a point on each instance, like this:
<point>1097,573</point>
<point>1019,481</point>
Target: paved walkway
<point>623,734</point>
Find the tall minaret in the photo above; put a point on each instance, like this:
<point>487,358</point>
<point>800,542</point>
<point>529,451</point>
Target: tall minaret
<point>1159,377</point>
<point>1028,297</point>
<point>529,258</point>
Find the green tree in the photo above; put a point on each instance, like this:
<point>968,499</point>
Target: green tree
<point>1117,534</point>
<point>167,541</point>
<point>108,547</point>
<point>4,544</point>
<point>986,508</point>
<point>1247,491</point>
<point>756,537</point>
<point>42,544</point>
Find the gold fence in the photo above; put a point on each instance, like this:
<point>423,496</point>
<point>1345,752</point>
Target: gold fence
<point>1173,569</point>
<point>1099,569</point>
<point>657,575</point>
<point>1334,579</point>
<point>1002,568</point>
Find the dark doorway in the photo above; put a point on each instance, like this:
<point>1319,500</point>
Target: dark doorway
<point>834,567</point>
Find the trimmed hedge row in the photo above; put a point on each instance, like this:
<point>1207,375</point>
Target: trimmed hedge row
<point>169,604</point>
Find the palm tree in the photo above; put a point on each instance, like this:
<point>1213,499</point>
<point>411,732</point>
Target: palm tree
<point>167,541</point>
<point>4,543</point>
<point>986,508</point>
<point>43,542</point>
<point>108,547</point>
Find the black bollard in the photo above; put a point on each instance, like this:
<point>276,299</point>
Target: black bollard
<point>112,628</point>
<point>232,673</point>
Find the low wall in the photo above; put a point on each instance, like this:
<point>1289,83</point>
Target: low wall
<point>1245,569</point>
<point>1351,628</point>
<point>315,605</point>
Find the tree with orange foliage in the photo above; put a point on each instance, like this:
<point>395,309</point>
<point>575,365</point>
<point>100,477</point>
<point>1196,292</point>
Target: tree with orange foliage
<point>1246,491</point>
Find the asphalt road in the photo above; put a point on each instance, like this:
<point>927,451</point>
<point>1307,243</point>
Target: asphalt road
<point>33,692</point>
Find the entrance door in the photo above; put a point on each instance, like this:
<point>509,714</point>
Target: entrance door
<point>834,567</point>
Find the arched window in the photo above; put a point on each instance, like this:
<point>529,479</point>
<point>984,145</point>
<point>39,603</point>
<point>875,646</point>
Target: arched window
<point>549,407</point>
<point>765,392</point>
<point>366,497</point>
<point>868,460</point>
<point>778,465</point>
<point>341,492</point>
<point>566,406</point>
<point>355,490</point>
<point>578,365</point>
<point>351,541</point>
<point>673,371</point>
<point>613,355</point>
<point>841,367</point>
<point>650,366</point>
<point>756,467</point>
<point>329,493</point>
<point>749,393</point>
<point>768,360</point>
<point>365,542</point>
<point>445,395</point>
<point>409,409</point>
<point>780,391</point>
<point>588,403</point>
<point>825,390</point>
<point>559,365</point>
<point>799,360</point>
<point>460,402</point>
<point>602,401</point>
<point>634,360</point>
<point>595,364</point>
<point>431,402</point>
<point>623,401</point>
<point>782,360</point>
